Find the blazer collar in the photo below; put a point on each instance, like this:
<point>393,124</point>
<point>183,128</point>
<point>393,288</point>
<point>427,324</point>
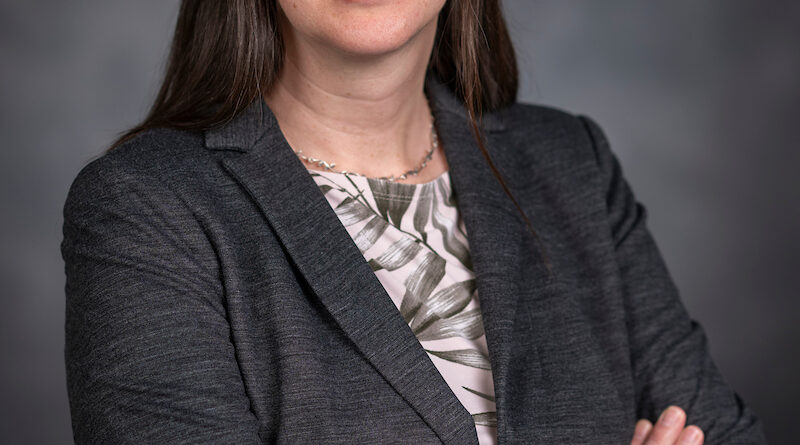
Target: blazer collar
<point>344,282</point>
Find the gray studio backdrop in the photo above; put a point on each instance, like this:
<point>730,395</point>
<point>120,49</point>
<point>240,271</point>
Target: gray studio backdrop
<point>699,98</point>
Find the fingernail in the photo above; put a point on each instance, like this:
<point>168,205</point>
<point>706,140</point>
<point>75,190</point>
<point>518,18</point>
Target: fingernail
<point>692,436</point>
<point>671,416</point>
<point>642,429</point>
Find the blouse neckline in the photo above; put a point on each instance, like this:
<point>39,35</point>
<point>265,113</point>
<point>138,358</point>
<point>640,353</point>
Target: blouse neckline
<point>398,185</point>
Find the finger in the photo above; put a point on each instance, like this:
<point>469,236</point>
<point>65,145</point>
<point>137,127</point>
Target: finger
<point>691,435</point>
<point>643,427</point>
<point>668,427</point>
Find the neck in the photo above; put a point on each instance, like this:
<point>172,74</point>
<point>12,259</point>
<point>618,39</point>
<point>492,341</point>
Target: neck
<point>368,114</point>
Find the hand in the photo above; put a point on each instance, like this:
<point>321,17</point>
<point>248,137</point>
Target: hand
<point>668,430</point>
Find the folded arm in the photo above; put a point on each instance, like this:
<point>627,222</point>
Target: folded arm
<point>671,361</point>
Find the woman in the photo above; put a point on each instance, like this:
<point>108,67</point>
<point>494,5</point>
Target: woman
<point>337,225</point>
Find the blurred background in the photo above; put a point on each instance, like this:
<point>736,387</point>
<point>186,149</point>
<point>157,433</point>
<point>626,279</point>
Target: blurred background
<point>700,100</point>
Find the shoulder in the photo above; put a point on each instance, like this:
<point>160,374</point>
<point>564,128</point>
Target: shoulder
<point>162,155</point>
<point>536,122</point>
<point>157,152</point>
<point>530,113</point>
<point>156,163</point>
<point>552,140</point>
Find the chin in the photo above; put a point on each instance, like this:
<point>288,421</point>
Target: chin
<point>363,27</point>
<point>373,37</point>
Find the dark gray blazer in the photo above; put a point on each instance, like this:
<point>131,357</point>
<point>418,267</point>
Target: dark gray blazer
<point>213,296</point>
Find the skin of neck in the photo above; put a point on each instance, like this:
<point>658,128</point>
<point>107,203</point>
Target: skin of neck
<point>366,112</point>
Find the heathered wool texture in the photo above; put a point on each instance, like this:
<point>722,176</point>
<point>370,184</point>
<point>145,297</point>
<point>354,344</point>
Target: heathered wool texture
<point>213,296</point>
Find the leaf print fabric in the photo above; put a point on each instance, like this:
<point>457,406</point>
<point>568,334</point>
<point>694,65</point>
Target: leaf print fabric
<point>414,239</point>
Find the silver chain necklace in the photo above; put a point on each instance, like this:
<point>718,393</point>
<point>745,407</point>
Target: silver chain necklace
<point>329,165</point>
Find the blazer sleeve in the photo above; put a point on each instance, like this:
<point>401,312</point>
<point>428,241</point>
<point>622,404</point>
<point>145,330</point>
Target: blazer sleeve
<point>670,356</point>
<point>148,352</point>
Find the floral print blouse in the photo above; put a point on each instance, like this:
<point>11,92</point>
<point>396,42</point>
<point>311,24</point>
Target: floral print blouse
<point>413,237</point>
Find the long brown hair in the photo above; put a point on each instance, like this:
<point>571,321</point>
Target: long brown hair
<point>227,53</point>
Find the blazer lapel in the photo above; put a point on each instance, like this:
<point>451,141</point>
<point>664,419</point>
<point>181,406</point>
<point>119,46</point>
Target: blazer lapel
<point>335,269</point>
<point>495,231</point>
